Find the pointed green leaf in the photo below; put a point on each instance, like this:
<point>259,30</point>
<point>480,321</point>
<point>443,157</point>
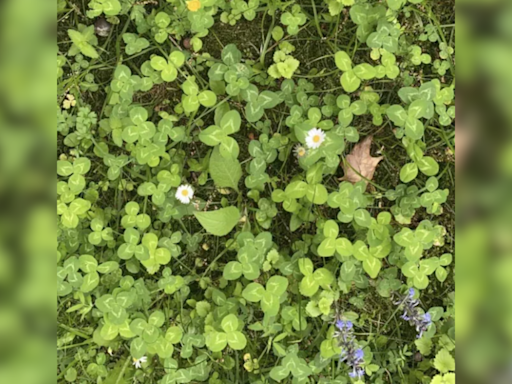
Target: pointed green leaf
<point>224,172</point>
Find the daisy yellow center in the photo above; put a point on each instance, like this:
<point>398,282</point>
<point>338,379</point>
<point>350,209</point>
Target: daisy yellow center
<point>194,5</point>
<point>184,193</point>
<point>302,152</point>
<point>316,139</point>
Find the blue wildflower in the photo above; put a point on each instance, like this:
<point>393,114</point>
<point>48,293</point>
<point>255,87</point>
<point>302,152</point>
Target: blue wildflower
<point>412,314</point>
<point>356,373</point>
<point>342,325</point>
<point>423,324</point>
<point>351,354</point>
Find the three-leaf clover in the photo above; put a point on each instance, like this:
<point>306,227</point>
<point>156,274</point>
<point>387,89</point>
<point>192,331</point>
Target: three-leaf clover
<point>232,71</point>
<point>385,37</point>
<point>417,272</point>
<point>293,191</point>
<point>108,7</point>
<point>332,243</point>
<point>168,68</point>
<point>123,85</point>
<point>444,261</point>
<point>161,30</point>
<point>313,280</point>
<point>169,282</point>
<point>263,152</point>
<point>258,102</point>
<point>114,308</point>
<point>370,257</point>
<point>293,19</point>
<point>70,215</point>
<point>352,76</point>
<point>76,172</point>
<point>216,341</point>
<point>148,333</point>
<point>115,164</point>
<point>219,135</point>
<point>89,265</point>
<point>189,341</point>
<point>346,114</point>
<point>133,218</point>
<point>134,43</point>
<point>251,256</point>
<point>140,128</point>
<point>166,181</point>
<point>99,233</point>
<point>156,256</point>
<point>69,271</point>
<point>267,210</point>
<point>167,129</point>
<point>193,98</point>
<point>269,296</point>
<point>291,364</point>
<point>350,198</point>
<point>415,242</point>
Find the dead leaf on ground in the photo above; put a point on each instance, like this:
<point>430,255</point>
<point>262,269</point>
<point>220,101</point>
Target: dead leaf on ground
<point>360,162</point>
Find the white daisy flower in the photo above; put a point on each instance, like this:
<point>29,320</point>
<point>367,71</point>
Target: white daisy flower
<point>315,138</point>
<point>300,151</point>
<point>138,362</point>
<point>185,193</point>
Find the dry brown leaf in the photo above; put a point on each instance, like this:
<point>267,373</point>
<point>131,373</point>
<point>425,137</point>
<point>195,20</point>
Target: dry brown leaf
<point>360,162</point>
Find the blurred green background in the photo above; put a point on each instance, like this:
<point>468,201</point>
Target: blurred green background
<point>484,191</point>
<point>27,191</point>
<point>484,198</point>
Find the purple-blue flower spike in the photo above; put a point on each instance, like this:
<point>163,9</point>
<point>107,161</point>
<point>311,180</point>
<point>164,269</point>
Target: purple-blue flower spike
<point>421,321</point>
<point>351,354</point>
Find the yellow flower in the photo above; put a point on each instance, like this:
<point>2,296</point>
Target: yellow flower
<point>69,101</point>
<point>194,5</point>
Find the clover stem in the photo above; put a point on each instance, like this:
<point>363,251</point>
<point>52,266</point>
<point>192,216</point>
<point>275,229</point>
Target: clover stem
<point>267,40</point>
<point>121,374</point>
<point>317,23</point>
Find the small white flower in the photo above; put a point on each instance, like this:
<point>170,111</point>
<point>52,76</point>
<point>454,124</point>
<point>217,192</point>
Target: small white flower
<point>185,193</point>
<point>315,138</point>
<point>300,151</point>
<point>138,362</point>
